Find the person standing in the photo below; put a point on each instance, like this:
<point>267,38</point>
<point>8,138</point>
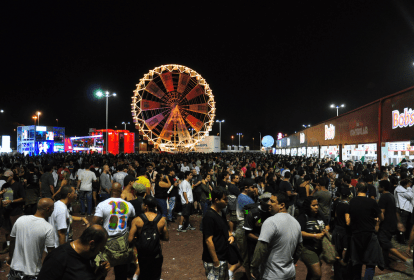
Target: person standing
<point>120,175</point>
<point>404,198</point>
<point>216,237</point>
<point>365,249</point>
<point>85,182</point>
<point>105,182</point>
<point>73,259</point>
<point>324,199</point>
<point>279,244</point>
<point>389,225</point>
<point>149,226</point>
<point>162,185</point>
<point>186,194</point>
<point>114,213</point>
<point>286,187</point>
<point>172,194</point>
<point>29,237</point>
<point>60,218</point>
<point>47,182</point>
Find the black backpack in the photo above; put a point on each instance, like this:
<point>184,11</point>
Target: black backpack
<point>149,245</point>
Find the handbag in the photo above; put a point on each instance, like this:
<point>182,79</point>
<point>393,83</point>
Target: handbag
<point>329,254</point>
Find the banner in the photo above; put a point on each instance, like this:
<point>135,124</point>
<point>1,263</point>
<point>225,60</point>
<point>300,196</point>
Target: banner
<point>167,81</point>
<point>183,82</point>
<point>147,105</point>
<point>197,91</point>
<point>154,121</point>
<point>194,122</point>
<point>199,108</point>
<point>155,90</point>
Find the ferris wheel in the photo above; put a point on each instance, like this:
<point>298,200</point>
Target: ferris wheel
<point>173,108</point>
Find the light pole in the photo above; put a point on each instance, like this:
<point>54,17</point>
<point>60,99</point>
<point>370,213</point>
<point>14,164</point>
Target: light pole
<point>253,143</point>
<point>240,134</point>
<point>57,121</point>
<point>38,117</point>
<point>107,95</point>
<point>1,111</point>
<point>232,137</point>
<point>337,108</point>
<point>124,123</point>
<point>34,118</point>
<point>306,126</point>
<point>222,121</point>
<point>260,141</point>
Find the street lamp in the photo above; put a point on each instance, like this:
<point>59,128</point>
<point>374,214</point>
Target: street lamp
<point>305,126</point>
<point>222,121</point>
<point>107,95</point>
<point>57,121</point>
<point>34,118</point>
<point>232,137</point>
<point>260,142</point>
<point>253,143</point>
<point>38,117</point>
<point>124,123</point>
<point>1,111</point>
<point>240,134</point>
<point>192,131</point>
<point>337,108</point>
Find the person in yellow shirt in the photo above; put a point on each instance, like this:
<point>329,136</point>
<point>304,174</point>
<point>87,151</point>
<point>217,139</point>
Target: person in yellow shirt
<point>144,179</point>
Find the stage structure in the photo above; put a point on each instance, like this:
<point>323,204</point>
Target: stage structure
<point>173,108</point>
<point>34,139</point>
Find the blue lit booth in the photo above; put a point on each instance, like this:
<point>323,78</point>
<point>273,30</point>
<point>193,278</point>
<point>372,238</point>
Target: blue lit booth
<point>35,140</point>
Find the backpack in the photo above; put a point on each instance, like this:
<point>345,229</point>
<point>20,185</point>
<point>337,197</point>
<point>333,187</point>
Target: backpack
<point>232,202</point>
<point>148,245</point>
<point>252,207</point>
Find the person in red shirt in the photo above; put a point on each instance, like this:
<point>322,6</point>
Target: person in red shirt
<point>62,168</point>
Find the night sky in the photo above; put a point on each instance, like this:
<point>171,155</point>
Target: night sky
<point>271,68</point>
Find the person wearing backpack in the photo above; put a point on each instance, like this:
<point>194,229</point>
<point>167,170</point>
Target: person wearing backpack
<point>147,230</point>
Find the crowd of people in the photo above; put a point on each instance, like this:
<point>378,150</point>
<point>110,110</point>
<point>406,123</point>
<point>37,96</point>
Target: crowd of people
<point>260,211</point>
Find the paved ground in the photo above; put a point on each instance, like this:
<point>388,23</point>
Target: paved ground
<point>182,257</point>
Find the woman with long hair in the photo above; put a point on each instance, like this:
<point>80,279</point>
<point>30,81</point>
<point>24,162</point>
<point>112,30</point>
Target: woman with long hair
<point>313,230</point>
<point>65,181</point>
<point>162,184</point>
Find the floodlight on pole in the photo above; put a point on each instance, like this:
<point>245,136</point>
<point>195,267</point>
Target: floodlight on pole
<point>337,108</point>
<point>260,141</point>
<point>240,134</point>
<point>124,123</point>
<point>34,119</point>
<point>38,117</point>
<point>306,125</point>
<point>107,95</point>
<point>222,121</point>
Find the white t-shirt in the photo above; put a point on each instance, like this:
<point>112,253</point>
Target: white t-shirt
<point>185,168</point>
<point>86,178</point>
<point>185,187</point>
<point>60,220</point>
<point>119,177</point>
<point>115,213</point>
<point>2,182</point>
<point>32,235</point>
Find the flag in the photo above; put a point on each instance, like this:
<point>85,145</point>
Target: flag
<point>363,159</point>
<point>337,158</point>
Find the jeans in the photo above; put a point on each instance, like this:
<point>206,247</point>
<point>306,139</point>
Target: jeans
<point>171,204</point>
<point>88,195</point>
<point>162,203</point>
<point>204,208</point>
<point>104,196</point>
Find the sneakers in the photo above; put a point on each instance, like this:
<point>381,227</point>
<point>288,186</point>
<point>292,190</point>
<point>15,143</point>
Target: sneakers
<point>190,227</point>
<point>181,230</point>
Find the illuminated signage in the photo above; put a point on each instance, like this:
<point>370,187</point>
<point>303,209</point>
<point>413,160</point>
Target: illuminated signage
<point>402,119</point>
<point>279,135</point>
<point>288,141</point>
<point>302,138</point>
<point>329,132</point>
<point>40,128</point>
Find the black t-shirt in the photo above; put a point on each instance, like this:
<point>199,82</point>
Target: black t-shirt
<point>216,226</point>
<point>234,190</point>
<point>287,187</point>
<point>137,203</point>
<point>161,193</point>
<point>174,191</point>
<point>312,225</point>
<point>64,263</point>
<point>372,191</point>
<point>363,211</point>
<point>16,208</point>
<point>387,202</point>
<point>342,208</point>
<point>254,220</point>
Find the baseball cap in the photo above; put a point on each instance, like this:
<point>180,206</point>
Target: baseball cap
<point>329,170</point>
<point>139,188</point>
<point>8,173</point>
<point>127,179</point>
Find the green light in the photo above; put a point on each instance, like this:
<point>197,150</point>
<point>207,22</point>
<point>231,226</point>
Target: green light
<point>98,94</point>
